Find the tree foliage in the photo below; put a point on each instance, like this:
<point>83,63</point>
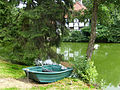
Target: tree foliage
<point>32,31</point>
<point>95,12</point>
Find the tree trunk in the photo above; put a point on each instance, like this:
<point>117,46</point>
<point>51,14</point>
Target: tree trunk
<point>93,30</point>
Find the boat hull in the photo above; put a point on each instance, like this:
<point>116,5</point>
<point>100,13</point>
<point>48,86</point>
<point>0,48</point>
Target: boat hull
<point>36,73</point>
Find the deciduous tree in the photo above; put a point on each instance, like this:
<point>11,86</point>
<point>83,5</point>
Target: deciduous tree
<point>96,4</point>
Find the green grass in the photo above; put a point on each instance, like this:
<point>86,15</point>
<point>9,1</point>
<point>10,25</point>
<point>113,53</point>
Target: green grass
<point>9,70</point>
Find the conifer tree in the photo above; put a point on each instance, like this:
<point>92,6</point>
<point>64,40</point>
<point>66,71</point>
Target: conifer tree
<point>32,31</point>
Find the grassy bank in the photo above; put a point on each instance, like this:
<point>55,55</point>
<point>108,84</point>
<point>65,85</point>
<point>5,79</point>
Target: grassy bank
<point>13,76</point>
<point>9,70</point>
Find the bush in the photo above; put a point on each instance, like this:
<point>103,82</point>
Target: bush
<point>103,34</point>
<point>85,70</point>
<point>83,35</point>
<point>114,32</point>
<point>76,36</point>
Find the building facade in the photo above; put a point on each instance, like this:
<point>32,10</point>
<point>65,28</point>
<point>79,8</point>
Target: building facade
<point>76,24</point>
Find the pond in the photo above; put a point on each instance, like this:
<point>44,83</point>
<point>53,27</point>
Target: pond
<point>106,58</point>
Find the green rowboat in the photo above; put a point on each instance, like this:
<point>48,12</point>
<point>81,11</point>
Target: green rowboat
<point>47,73</point>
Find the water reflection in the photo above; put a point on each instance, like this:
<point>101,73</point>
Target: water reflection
<point>111,87</point>
<point>106,57</point>
<point>71,50</point>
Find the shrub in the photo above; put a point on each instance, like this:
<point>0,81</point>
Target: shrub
<point>85,70</point>
<point>75,36</point>
<point>114,32</point>
<point>103,34</point>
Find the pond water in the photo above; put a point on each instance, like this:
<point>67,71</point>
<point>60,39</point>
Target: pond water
<point>106,58</point>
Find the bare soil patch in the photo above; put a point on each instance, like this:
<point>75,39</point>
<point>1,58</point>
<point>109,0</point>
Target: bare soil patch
<point>19,83</point>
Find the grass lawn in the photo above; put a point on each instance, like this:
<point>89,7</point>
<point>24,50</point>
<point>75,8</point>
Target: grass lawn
<point>11,75</point>
<point>9,70</point>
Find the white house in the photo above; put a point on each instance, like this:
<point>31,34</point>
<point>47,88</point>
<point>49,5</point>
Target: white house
<point>76,24</point>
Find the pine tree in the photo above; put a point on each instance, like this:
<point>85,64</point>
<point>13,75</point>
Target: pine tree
<point>33,30</point>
